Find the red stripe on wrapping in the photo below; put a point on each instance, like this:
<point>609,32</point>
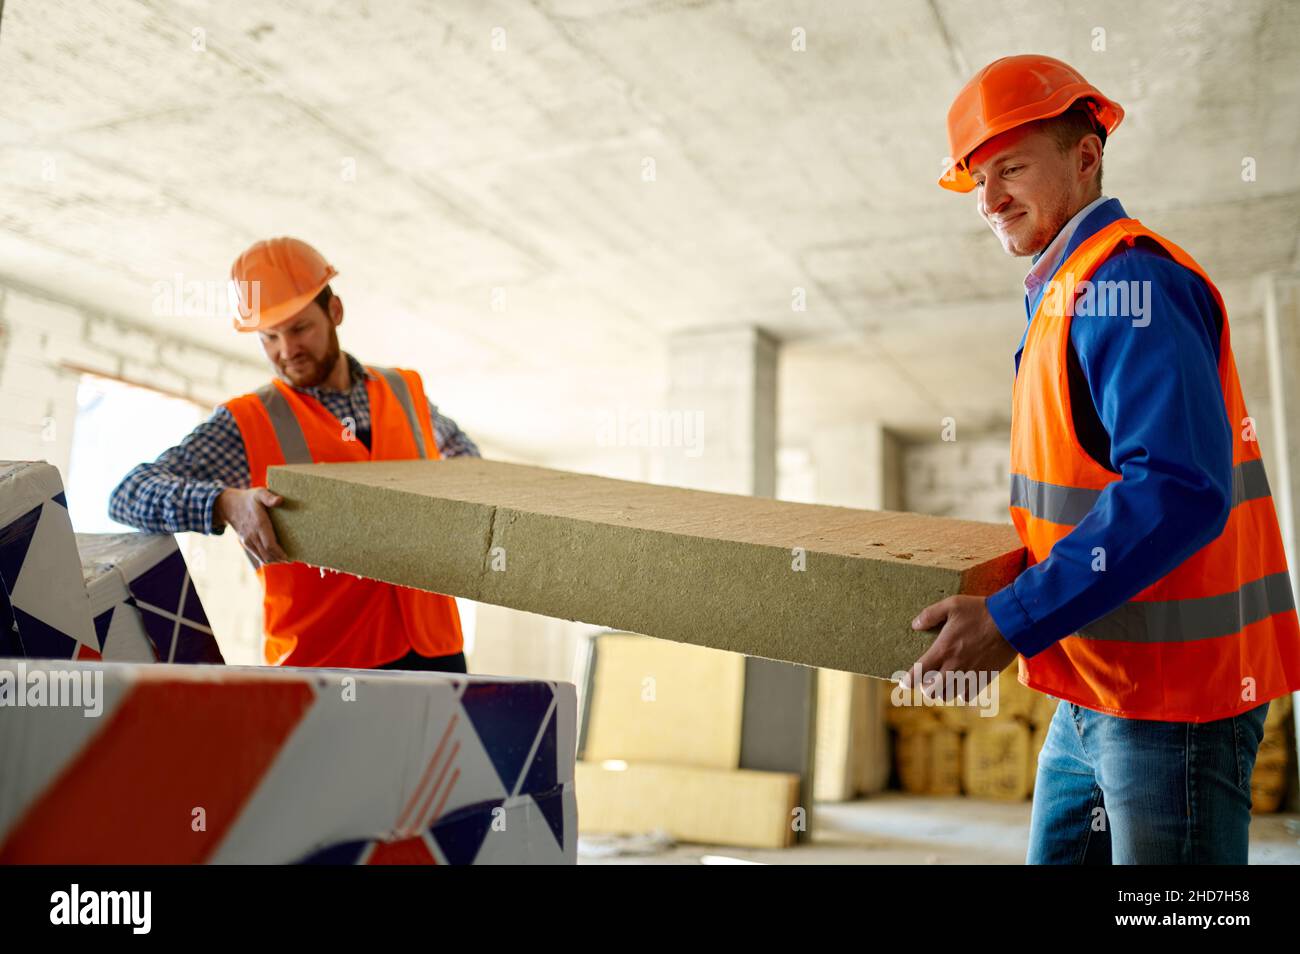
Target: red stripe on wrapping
<point>445,795</point>
<point>424,779</point>
<point>168,748</point>
<point>425,821</point>
<point>408,851</point>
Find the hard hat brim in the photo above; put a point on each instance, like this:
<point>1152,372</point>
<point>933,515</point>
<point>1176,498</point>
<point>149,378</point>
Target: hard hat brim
<point>1106,111</point>
<point>280,312</point>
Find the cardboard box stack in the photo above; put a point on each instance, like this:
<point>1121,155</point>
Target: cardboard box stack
<point>661,747</point>
<point>853,755</point>
<point>951,749</point>
<point>977,749</point>
<point>1275,764</point>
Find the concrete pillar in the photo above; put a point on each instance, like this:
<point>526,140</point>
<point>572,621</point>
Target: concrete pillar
<point>726,379</point>
<point>855,465</point>
<point>858,465</point>
<point>1282,336</point>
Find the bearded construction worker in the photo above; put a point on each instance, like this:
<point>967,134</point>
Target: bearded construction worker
<point>1157,605</point>
<point>323,405</point>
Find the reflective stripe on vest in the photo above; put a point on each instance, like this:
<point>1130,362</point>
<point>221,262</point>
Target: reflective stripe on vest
<point>1202,617</point>
<point>1068,505</point>
<point>293,443</point>
<point>398,384</point>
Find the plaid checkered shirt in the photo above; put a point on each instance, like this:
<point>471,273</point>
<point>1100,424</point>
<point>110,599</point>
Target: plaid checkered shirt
<point>178,491</point>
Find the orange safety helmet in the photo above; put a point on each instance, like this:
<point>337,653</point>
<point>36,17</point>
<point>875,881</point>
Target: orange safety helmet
<point>1013,91</point>
<point>274,280</point>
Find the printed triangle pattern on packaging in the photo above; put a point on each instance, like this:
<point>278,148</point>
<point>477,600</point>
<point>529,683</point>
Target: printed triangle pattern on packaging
<point>48,610</point>
<point>460,835</point>
<point>508,721</point>
<point>172,613</point>
<point>542,781</point>
<point>14,541</point>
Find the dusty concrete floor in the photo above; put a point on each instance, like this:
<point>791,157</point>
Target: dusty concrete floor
<point>912,830</point>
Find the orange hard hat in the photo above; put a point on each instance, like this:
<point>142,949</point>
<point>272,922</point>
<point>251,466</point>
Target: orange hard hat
<point>274,280</point>
<point>1013,91</point>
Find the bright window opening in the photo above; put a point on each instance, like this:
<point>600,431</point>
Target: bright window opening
<point>118,425</point>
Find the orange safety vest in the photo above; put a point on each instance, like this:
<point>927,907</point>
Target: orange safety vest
<point>319,618</point>
<point>1218,634</point>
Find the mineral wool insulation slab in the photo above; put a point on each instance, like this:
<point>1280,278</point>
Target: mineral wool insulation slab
<point>831,587</point>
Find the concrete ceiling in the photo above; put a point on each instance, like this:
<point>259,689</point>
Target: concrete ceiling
<point>139,141</point>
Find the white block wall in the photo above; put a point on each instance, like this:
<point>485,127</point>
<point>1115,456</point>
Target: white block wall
<point>966,478</point>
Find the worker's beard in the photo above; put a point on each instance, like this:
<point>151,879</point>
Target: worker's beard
<point>1049,226</point>
<point>310,371</point>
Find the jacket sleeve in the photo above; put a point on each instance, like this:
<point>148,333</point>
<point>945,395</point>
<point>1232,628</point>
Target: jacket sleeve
<point>452,441</point>
<point>178,491</point>
<point>1154,381</point>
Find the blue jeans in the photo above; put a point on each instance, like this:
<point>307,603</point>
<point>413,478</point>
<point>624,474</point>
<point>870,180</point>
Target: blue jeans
<point>1136,791</point>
